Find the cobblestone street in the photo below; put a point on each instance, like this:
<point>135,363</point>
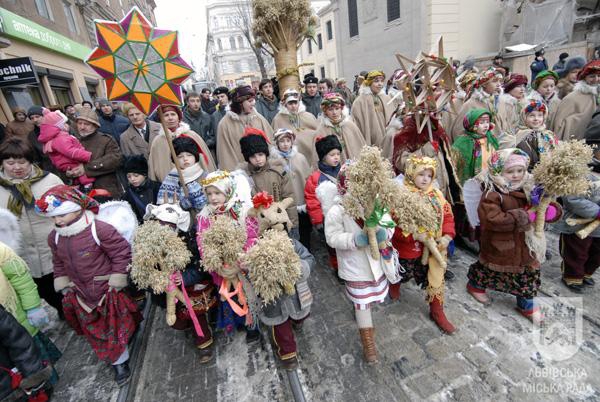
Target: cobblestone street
<point>491,357</point>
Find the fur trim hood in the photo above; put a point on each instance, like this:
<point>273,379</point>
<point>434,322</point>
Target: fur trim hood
<point>78,226</point>
<point>10,232</point>
<point>327,122</point>
<point>366,90</point>
<point>182,129</point>
<point>584,88</point>
<point>237,117</point>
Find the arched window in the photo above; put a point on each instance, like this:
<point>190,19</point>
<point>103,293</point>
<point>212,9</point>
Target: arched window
<point>232,42</point>
<point>241,42</point>
<point>219,44</point>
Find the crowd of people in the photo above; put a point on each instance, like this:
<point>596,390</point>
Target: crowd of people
<point>234,150</point>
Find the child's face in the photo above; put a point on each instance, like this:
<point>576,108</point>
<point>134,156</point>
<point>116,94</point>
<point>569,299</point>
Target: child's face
<point>186,159</point>
<point>333,158</point>
<point>423,179</point>
<point>215,197</point>
<point>517,92</point>
<point>534,119</point>
<point>135,179</point>
<point>482,125</point>
<point>546,88</point>
<point>292,106</point>
<point>258,159</point>
<point>248,105</point>
<point>493,86</point>
<point>64,220</point>
<point>285,144</point>
<point>334,113</point>
<point>514,174</point>
<point>377,84</point>
<point>592,79</point>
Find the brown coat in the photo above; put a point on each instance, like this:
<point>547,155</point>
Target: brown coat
<point>160,162</point>
<point>273,179</point>
<point>575,112</point>
<point>106,159</point>
<point>19,129</point>
<point>132,142</point>
<point>304,129</point>
<point>372,120</point>
<point>503,225</point>
<point>347,132</point>
<point>231,129</point>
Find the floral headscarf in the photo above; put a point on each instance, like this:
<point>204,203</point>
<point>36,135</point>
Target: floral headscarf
<point>227,184</point>
<point>331,99</point>
<point>500,160</point>
<point>62,199</point>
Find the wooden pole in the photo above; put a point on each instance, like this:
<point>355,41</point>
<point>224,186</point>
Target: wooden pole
<point>173,155</point>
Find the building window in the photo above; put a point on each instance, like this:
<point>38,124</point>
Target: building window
<point>70,17</point>
<point>232,42</point>
<point>309,46</point>
<point>353,18</point>
<point>320,41</point>
<point>43,9</point>
<point>219,44</point>
<point>322,71</point>
<point>329,30</point>
<point>241,42</point>
<point>393,10</point>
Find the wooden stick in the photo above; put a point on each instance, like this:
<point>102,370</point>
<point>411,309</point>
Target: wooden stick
<point>173,155</point>
<point>540,218</point>
<point>373,246</point>
<point>579,221</point>
<point>432,246</point>
<point>586,231</point>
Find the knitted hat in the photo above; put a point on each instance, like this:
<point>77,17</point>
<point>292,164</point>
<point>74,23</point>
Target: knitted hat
<point>514,80</point>
<point>472,116</point>
<point>89,116</point>
<point>221,90</point>
<point>136,164</point>
<point>593,67</point>
<point>330,99</point>
<point>544,75</point>
<point>62,199</point>
<point>310,79</point>
<point>372,75</point>
<point>56,119</point>
<point>184,143</point>
<point>290,95</point>
<point>172,108</point>
<point>284,132</point>
<point>326,144</point>
<point>254,141</point>
<point>35,110</point>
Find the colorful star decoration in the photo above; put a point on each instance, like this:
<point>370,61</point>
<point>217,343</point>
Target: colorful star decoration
<point>139,63</point>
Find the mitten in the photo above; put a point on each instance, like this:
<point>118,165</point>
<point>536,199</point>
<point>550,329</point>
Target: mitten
<point>381,235</point>
<point>420,237</point>
<point>66,290</point>
<point>37,317</point>
<point>443,242</point>
<point>185,203</point>
<point>361,239</point>
<point>553,213</point>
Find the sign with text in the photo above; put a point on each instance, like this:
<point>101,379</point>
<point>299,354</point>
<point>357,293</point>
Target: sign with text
<point>17,72</point>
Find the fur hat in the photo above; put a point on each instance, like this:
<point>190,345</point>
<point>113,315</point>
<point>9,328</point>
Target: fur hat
<point>56,119</point>
<point>513,81</point>
<point>184,143</point>
<point>18,109</point>
<point>575,62</point>
<point>253,142</point>
<point>310,79</point>
<point>89,116</point>
<point>35,110</point>
<point>136,164</point>
<point>326,144</point>
<point>221,90</point>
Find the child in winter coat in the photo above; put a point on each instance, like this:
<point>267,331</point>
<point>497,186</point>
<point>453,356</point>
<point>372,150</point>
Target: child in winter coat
<point>141,191</point>
<point>188,154</point>
<point>329,150</point>
<point>419,178</point>
<point>91,261</point>
<point>535,139</point>
<point>506,263</point>
<point>366,284</point>
<point>64,150</point>
<point>298,168</point>
<point>544,90</point>
<point>228,194</point>
<point>471,150</point>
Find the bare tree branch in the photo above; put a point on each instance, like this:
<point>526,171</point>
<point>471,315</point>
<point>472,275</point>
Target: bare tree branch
<point>243,22</point>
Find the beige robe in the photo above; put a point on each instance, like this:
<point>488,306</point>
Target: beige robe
<point>478,100</point>
<point>231,129</point>
<point>304,129</point>
<point>299,170</point>
<point>347,132</point>
<point>575,112</point>
<point>508,119</point>
<point>160,162</point>
<point>372,120</point>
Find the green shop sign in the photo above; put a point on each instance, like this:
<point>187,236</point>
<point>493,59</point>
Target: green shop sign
<point>18,27</point>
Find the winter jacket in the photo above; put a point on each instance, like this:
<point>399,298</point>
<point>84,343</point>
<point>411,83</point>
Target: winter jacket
<point>581,207</point>
<point>64,150</point>
<point>132,142</point>
<point>34,228</point>
<point>90,268</point>
<point>504,221</point>
<point>289,306</point>
<point>216,118</point>
<point>114,125</point>
<point>575,112</point>
<point>139,197</point>
<point>537,67</point>
<point>312,104</point>
<point>209,106</point>
<point>15,270</point>
<point>372,113</point>
<point>298,168</point>
<point>19,129</point>
<point>17,349</point>
<point>267,109</point>
<point>275,180</point>
<point>200,122</point>
<point>106,159</point>
<point>313,203</point>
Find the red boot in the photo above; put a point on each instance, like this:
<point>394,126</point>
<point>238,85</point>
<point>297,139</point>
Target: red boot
<point>436,312</point>
<point>395,291</point>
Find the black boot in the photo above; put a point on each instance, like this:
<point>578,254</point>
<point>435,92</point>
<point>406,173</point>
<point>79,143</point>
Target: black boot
<point>589,281</point>
<point>448,275</point>
<point>122,373</point>
<point>252,335</point>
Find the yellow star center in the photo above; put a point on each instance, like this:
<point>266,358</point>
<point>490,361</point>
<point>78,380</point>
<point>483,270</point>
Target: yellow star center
<point>141,67</point>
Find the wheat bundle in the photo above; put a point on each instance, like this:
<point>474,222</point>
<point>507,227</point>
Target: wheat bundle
<point>222,245</point>
<point>274,266</point>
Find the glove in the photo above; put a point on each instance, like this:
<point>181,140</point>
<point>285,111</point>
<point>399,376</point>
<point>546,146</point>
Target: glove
<point>443,242</point>
<point>37,317</point>
<point>420,237</point>
<point>185,203</point>
<point>361,239</point>
<point>381,235</point>
<point>66,290</point>
<point>552,213</point>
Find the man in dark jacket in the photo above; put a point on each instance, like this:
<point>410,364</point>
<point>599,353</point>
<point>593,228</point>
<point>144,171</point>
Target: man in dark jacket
<point>538,65</point>
<point>208,105</point>
<point>199,121</point>
<point>17,350</point>
<point>311,97</point>
<point>222,95</point>
<point>110,122</point>
<point>267,103</point>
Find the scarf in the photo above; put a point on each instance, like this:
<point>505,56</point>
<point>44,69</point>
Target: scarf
<point>328,172</point>
<point>171,186</point>
<point>20,190</point>
<point>471,152</point>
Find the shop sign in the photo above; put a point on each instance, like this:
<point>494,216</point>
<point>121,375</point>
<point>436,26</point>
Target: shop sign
<point>17,71</point>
